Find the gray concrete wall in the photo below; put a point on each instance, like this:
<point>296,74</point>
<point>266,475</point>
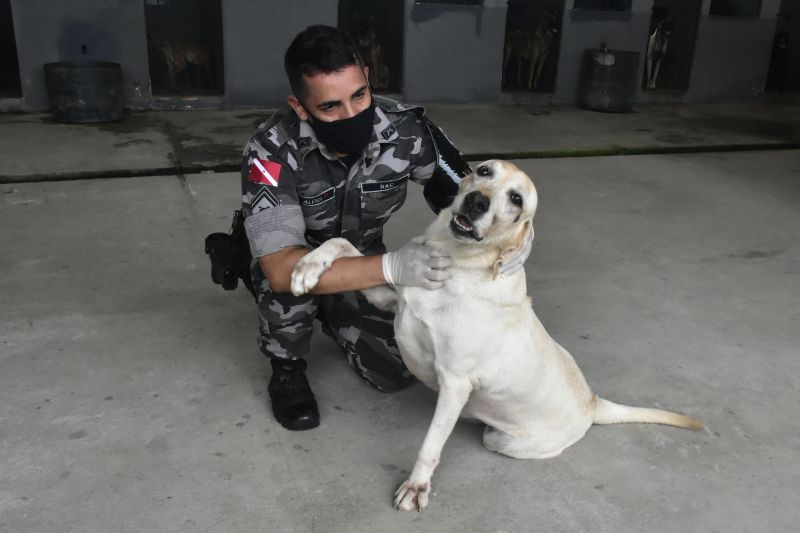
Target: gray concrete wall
<point>450,52</point>
<point>110,30</point>
<point>256,34</point>
<point>453,52</point>
<point>732,55</point>
<point>582,29</point>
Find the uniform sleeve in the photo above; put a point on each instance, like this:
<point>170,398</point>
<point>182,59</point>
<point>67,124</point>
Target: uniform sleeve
<point>423,160</point>
<point>273,217</point>
<point>440,168</point>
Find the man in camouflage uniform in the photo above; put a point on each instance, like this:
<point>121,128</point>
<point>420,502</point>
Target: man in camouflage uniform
<point>336,162</point>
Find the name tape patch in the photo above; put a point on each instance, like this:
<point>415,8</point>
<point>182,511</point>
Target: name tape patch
<point>380,186</point>
<point>324,196</point>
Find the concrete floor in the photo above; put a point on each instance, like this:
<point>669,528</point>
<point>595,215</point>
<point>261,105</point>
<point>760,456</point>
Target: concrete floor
<point>132,396</point>
<point>166,142</point>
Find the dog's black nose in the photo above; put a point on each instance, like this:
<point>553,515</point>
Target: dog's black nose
<point>476,203</point>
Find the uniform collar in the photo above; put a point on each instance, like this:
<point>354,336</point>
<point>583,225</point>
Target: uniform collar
<point>384,132</point>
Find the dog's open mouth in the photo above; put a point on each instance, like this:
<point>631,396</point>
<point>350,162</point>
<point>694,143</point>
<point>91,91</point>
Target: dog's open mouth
<point>462,226</point>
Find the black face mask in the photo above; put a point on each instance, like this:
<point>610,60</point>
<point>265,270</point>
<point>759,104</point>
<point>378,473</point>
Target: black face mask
<point>348,135</point>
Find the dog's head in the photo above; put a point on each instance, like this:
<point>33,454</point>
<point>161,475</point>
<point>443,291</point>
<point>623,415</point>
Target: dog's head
<point>494,207</point>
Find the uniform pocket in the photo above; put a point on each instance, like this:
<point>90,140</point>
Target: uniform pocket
<point>379,199</point>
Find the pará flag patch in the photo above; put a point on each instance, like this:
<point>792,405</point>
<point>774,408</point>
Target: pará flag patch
<point>264,171</point>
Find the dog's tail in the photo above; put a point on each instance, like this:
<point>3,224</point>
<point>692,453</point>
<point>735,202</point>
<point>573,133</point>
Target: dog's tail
<point>607,412</point>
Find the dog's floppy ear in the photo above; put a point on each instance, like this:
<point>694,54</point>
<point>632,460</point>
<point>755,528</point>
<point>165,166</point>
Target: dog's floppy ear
<point>523,237</point>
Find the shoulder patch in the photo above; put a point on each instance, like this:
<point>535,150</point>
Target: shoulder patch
<point>392,106</point>
<point>264,171</point>
<point>263,199</point>
<point>278,130</point>
<point>388,131</point>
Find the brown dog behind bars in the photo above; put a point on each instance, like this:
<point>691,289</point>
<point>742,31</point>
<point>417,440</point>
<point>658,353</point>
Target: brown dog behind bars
<point>179,55</point>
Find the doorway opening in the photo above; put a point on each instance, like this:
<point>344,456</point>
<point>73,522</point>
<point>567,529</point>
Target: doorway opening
<point>670,45</point>
<point>784,65</point>
<point>184,47</point>
<point>377,29</point>
<point>9,62</point>
<point>532,45</point>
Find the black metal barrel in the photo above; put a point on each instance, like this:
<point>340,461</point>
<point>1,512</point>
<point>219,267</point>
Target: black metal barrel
<point>84,91</point>
<point>608,80</point>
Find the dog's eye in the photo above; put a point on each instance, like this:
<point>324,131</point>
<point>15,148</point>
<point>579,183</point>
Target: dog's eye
<point>516,199</point>
<point>484,171</point>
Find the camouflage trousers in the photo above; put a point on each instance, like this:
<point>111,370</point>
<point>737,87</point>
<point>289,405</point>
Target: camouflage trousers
<point>363,332</point>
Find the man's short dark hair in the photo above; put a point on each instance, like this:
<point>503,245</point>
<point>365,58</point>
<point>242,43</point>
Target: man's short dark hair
<point>318,49</point>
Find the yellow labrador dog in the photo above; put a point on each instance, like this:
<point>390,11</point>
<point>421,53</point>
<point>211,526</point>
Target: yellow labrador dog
<point>477,340</point>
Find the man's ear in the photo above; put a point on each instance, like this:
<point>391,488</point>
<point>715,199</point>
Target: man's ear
<point>298,108</point>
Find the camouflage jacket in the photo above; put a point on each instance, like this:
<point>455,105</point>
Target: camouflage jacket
<point>295,192</point>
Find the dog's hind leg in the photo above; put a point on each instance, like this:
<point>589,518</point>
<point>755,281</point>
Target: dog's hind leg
<point>506,58</point>
<point>532,71</point>
<point>539,66</point>
<point>522,447</point>
<point>655,73</point>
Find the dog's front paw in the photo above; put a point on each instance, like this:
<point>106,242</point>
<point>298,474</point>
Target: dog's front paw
<point>410,496</point>
<point>307,272</point>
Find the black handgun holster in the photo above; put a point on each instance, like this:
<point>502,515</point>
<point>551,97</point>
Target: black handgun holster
<point>230,256</point>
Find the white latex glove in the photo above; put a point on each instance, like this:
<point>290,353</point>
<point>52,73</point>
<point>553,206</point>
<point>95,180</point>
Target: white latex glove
<point>516,261</point>
<point>416,265</point>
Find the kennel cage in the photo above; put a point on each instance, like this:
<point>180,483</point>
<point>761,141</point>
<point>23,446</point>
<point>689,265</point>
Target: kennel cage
<point>678,21</point>
<point>784,65</point>
<point>184,47</point>
<point>532,45</point>
<point>377,29</point>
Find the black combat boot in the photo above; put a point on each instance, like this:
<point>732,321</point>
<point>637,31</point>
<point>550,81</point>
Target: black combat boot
<point>293,402</point>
